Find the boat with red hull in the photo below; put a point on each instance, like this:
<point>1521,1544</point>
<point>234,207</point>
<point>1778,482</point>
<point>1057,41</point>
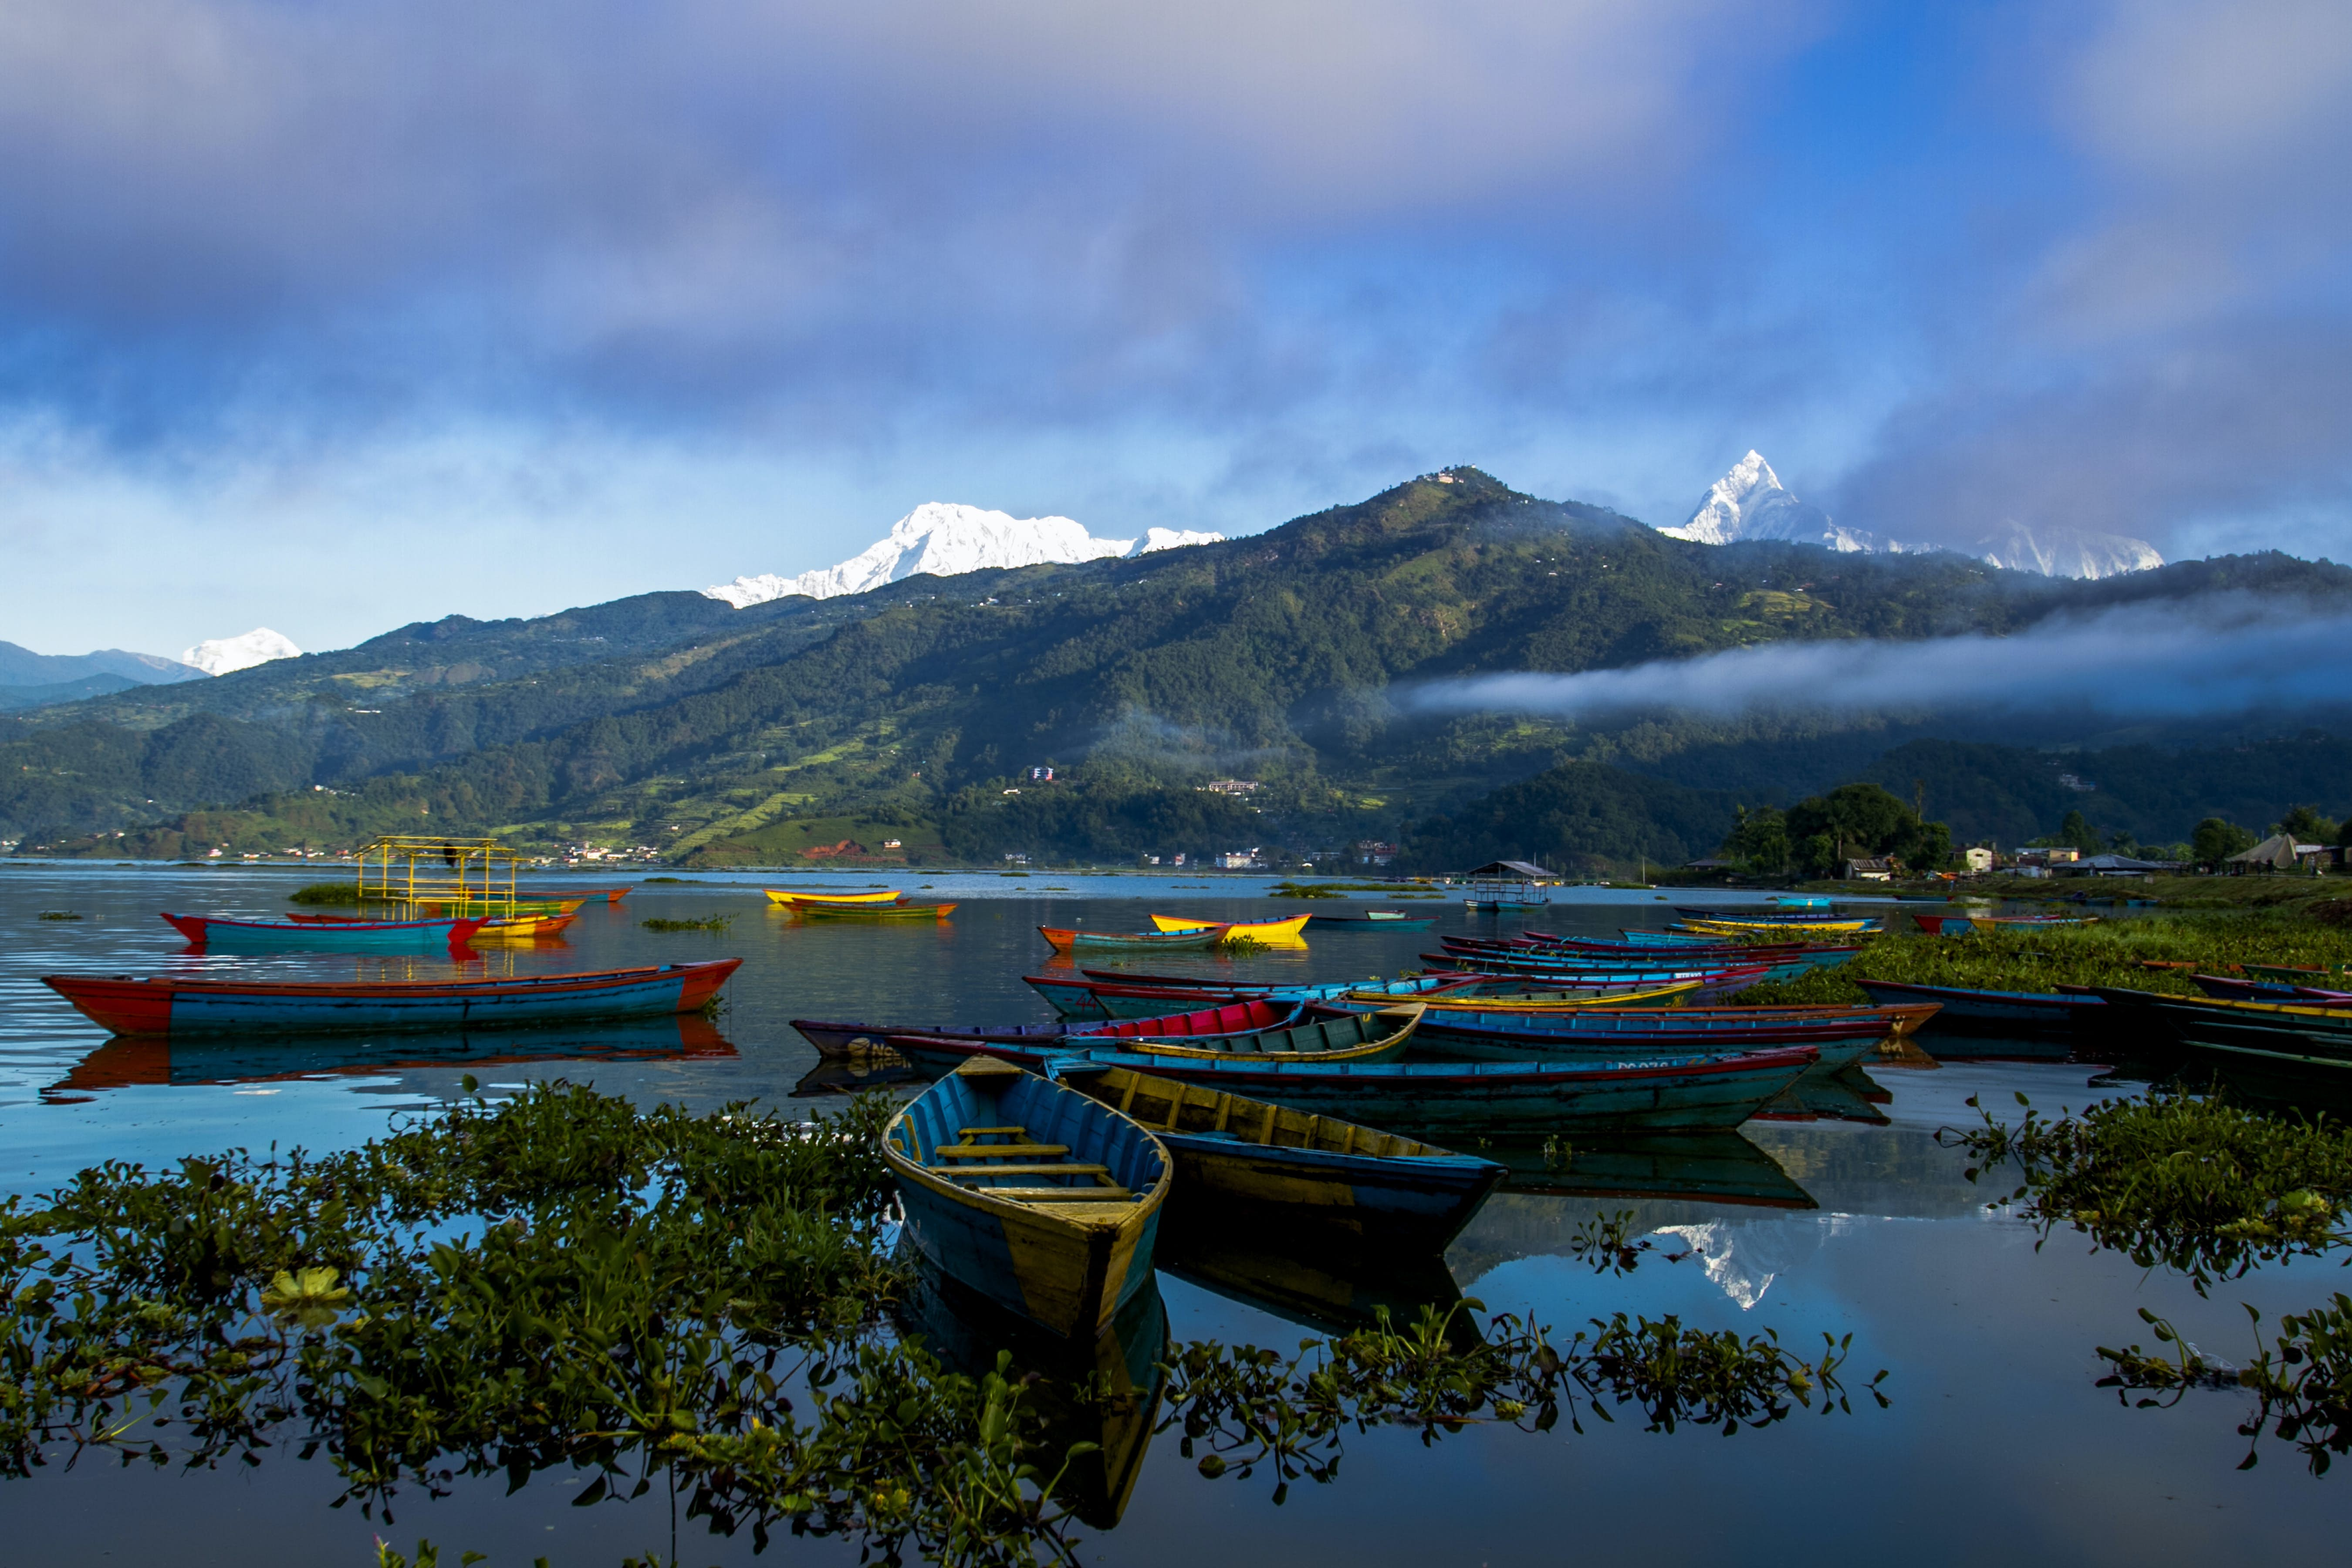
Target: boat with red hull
<point>177,1005</point>
<point>340,934</point>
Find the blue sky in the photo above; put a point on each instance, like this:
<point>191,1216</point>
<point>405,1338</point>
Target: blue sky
<point>330,315</point>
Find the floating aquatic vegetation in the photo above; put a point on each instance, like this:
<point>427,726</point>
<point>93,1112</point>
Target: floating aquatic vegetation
<point>59,915</point>
<point>705,922</point>
<point>1241,945</point>
<point>2302,1380</point>
<point>2197,1183</point>
<point>1244,1406</point>
<point>562,1282</point>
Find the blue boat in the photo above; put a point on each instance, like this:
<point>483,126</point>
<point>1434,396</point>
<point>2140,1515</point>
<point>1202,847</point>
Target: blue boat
<point>1268,1166</point>
<point>1029,1192</point>
<point>1503,1098</point>
<point>325,934</point>
<point>1627,1035</point>
<point>1994,1012</point>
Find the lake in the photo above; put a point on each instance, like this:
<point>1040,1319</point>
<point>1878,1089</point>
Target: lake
<point>1845,1218</point>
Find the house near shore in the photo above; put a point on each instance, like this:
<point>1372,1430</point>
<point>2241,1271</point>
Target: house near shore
<point>2278,853</point>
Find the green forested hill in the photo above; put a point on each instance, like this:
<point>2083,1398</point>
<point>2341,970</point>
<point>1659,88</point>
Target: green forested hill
<point>910,712</point>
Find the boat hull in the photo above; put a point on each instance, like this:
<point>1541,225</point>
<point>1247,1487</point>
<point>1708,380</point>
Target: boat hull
<point>1070,941</point>
<point>329,936</point>
<point>1515,1099</point>
<point>1990,1012</point>
<point>181,1007</point>
<point>1061,1266</point>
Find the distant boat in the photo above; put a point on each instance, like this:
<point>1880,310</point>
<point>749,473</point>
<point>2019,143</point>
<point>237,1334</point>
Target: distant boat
<point>1386,919</point>
<point>334,935</point>
<point>1284,930</point>
<point>1263,1166</point>
<point>177,1007</point>
<point>850,1042</point>
<point>1319,1035</point>
<point>521,928</point>
<point>1030,1193</point>
<point>790,895</point>
<point>1071,941</point>
<point>876,910</point>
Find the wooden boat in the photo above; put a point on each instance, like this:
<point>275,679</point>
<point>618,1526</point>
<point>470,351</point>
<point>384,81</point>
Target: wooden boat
<point>2294,973</point>
<point>1320,1034</point>
<point>1793,917</point>
<point>1100,995</point>
<point>128,1059</point>
<point>791,896</point>
<point>1267,1167</point>
<point>1519,1038</point>
<point>1374,920</point>
<point>496,908</point>
<point>902,912</point>
<point>2277,1034</point>
<point>849,1041</point>
<point>175,1005</point>
<point>1633,996</point>
<point>341,936</point>
<point>1068,941</point>
<point>2230,989</point>
<point>1989,1011</point>
<point>1502,1098</point>
<point>1721,927</point>
<point>1286,930</point>
<point>1030,1193</point>
<point>520,928</point>
<point>1488,959</point>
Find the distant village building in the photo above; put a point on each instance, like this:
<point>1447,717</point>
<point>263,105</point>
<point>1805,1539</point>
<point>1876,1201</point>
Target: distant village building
<point>1041,775</point>
<point>1374,852</point>
<point>1016,859</point>
<point>1873,868</point>
<point>1978,859</point>
<point>1241,859</point>
<point>1231,786</point>
<point>2277,853</point>
<point>2113,866</point>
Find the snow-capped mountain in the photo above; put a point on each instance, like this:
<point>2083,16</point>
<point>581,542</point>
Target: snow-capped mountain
<point>942,539</point>
<point>222,654</point>
<point>2068,553</point>
<point>1750,503</point>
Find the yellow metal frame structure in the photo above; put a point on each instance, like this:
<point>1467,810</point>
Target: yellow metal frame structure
<point>461,872</point>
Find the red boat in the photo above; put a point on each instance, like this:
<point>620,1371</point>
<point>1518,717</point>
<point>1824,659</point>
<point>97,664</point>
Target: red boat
<point>175,1005</point>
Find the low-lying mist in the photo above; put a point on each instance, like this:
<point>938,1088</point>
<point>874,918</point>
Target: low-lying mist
<point>2174,658</point>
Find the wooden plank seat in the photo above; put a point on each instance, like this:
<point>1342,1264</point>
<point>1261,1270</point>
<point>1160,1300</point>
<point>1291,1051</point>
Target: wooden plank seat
<point>1038,1168</point>
<point>1000,1151</point>
<point>1061,1195</point>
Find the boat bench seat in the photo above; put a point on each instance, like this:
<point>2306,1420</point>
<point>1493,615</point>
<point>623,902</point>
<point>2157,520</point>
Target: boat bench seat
<point>1000,1151</point>
<point>1061,1195</point>
<point>965,1173</point>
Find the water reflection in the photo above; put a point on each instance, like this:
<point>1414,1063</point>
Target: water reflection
<point>1710,1167</point>
<point>1107,1393</point>
<point>1328,1290</point>
<point>124,1061</point>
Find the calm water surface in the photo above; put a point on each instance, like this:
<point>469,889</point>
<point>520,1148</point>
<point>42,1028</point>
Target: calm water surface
<point>1845,1217</point>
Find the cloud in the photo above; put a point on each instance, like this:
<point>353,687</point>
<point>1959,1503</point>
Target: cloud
<point>2164,657</point>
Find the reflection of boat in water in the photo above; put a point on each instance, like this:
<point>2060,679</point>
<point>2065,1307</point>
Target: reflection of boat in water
<point>129,1059</point>
<point>1327,1291</point>
<point>856,1076</point>
<point>1833,1094</point>
<point>965,1331</point>
<point>1708,1167</point>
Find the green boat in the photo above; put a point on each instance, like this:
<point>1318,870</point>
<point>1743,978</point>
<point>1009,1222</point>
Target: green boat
<point>873,911</point>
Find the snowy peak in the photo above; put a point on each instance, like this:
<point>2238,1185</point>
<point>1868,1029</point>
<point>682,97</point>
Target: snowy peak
<point>944,540</point>
<point>2068,553</point>
<point>222,655</point>
<point>1750,503</point>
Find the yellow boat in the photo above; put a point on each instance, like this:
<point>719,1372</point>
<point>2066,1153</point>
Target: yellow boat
<point>788,898</point>
<point>1751,927</point>
<point>519,928</point>
<point>1257,930</point>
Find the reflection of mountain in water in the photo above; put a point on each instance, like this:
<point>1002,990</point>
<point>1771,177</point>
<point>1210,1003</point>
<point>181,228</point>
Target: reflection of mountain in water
<point>1738,1258</point>
<point>124,1061</point>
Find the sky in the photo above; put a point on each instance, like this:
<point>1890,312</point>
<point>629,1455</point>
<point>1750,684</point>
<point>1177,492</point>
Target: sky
<point>330,315</point>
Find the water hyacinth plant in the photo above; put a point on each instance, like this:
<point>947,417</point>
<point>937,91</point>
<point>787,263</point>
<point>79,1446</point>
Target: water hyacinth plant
<point>694,1305</point>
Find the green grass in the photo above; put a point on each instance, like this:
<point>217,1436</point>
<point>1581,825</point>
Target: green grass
<point>2113,953</point>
